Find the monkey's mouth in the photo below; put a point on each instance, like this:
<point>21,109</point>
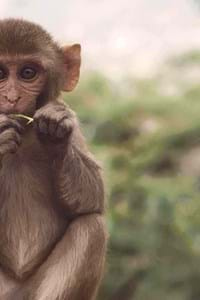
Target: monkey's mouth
<point>16,108</point>
<point>8,109</point>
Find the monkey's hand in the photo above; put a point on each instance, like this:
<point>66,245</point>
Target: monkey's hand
<point>54,123</point>
<point>10,134</point>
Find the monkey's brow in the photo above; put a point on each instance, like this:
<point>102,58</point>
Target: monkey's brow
<point>19,59</point>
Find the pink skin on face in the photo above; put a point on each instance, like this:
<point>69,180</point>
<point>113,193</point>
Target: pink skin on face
<point>21,82</point>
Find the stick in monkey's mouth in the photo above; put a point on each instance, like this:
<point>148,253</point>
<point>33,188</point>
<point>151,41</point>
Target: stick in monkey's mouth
<point>29,119</point>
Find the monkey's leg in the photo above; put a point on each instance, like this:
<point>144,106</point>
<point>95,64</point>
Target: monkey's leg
<point>73,269</point>
<point>7,285</point>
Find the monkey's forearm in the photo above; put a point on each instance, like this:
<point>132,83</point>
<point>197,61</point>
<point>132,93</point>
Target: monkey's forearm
<point>77,177</point>
<point>73,270</point>
<point>79,183</point>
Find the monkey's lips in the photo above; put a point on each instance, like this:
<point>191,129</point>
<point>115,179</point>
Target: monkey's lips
<point>10,108</point>
<point>7,108</point>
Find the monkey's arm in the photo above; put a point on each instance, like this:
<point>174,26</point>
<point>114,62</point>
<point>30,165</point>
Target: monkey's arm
<point>79,183</point>
<point>74,268</point>
<point>77,176</point>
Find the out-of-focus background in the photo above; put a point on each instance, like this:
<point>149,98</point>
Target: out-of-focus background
<point>139,104</point>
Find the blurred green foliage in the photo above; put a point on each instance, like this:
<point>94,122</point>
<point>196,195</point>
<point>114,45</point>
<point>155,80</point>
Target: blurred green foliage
<point>147,135</point>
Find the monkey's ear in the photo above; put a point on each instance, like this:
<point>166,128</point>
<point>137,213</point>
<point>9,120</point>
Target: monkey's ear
<point>72,55</point>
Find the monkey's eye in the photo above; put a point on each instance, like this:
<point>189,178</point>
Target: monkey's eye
<point>3,73</point>
<point>28,73</point>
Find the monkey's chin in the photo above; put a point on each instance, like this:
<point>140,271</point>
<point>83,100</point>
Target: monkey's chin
<point>7,111</point>
<point>28,112</point>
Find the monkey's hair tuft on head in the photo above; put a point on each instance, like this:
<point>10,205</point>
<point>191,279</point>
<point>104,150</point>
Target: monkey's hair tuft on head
<point>25,37</point>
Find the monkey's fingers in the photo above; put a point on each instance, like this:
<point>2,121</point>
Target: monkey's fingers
<point>6,122</point>
<point>41,126</point>
<point>9,142</point>
<point>54,113</point>
<point>9,135</point>
<point>60,129</point>
<point>65,128</point>
<point>10,147</point>
<point>53,127</point>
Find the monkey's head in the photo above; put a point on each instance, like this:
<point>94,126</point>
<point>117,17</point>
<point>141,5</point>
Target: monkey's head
<point>33,68</point>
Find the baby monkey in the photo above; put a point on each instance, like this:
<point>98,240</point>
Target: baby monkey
<point>52,231</point>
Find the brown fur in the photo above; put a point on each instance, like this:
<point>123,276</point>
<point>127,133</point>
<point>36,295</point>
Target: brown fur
<point>53,236</point>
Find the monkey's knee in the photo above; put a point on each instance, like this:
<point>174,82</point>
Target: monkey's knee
<point>100,230</point>
<point>94,241</point>
<point>94,229</point>
<point>89,233</point>
<point>92,245</point>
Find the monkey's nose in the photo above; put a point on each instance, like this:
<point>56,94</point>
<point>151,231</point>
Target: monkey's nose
<point>13,100</point>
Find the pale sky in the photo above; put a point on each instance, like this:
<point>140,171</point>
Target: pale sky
<point>117,36</point>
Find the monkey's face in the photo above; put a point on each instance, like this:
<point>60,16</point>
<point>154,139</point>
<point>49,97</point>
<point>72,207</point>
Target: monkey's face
<point>21,82</point>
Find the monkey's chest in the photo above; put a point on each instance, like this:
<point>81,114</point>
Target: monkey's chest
<point>30,224</point>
